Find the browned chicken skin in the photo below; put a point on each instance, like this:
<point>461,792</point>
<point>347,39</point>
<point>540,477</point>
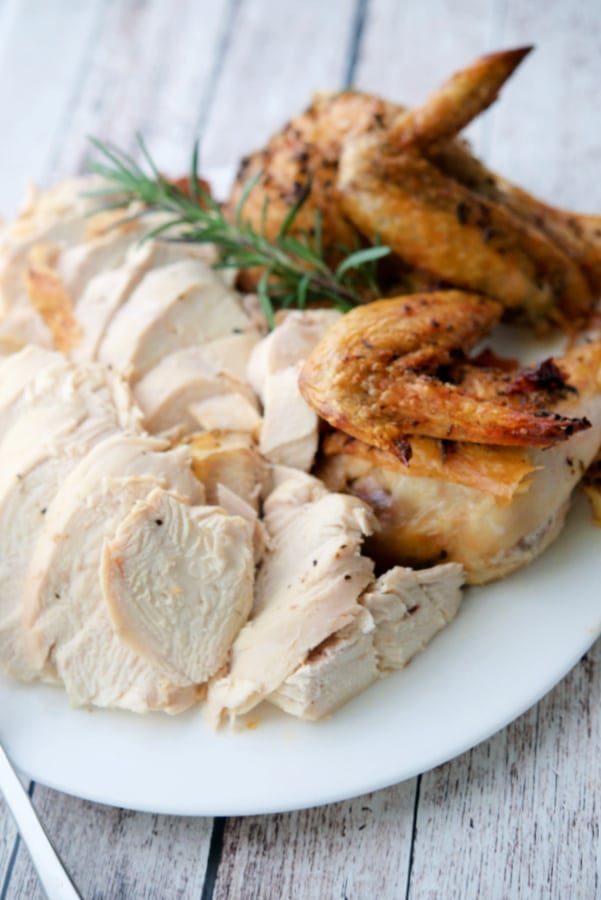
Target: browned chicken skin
<point>396,368</point>
<point>376,170</point>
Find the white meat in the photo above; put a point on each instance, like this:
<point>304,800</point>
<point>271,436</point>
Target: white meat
<point>188,382</point>
<point>63,595</point>
<point>176,306</point>
<point>404,610</point>
<point>57,424</point>
<point>289,434</point>
<point>307,589</point>
<point>178,581</point>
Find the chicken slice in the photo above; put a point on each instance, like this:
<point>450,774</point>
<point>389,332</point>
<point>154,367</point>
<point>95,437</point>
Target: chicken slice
<point>192,387</point>
<point>337,670</point>
<point>55,428</point>
<point>106,291</point>
<point>99,670</point>
<point>409,608</point>
<point>229,459</point>
<point>104,294</point>
<point>235,476</point>
<point>106,244</point>
<point>307,589</point>
<point>55,218</point>
<point>62,590</point>
<point>404,610</point>
<point>9,344</point>
<point>173,307</point>
<point>18,371</point>
<point>289,434</point>
<point>178,581</point>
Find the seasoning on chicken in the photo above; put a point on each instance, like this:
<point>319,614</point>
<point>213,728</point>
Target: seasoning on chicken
<point>63,603</point>
<point>307,589</point>
<point>404,610</point>
<point>396,368</point>
<point>60,414</point>
<point>428,516</point>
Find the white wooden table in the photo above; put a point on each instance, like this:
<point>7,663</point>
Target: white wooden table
<point>518,816</point>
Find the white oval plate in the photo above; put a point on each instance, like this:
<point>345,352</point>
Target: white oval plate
<point>512,642</point>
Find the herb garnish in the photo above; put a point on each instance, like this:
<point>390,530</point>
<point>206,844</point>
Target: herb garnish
<point>294,269</point>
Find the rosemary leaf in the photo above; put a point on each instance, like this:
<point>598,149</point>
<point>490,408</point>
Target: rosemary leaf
<point>295,272</point>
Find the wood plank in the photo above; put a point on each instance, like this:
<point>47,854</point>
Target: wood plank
<point>112,853</point>
<point>8,836</point>
<point>518,816</point>
<point>149,71</point>
<point>33,104</point>
<point>408,49</point>
<point>275,60</point>
<point>545,133</point>
<point>359,848</point>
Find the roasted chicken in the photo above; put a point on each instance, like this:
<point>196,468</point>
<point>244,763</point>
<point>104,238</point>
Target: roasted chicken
<point>375,170</point>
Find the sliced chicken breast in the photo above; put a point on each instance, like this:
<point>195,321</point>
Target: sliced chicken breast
<point>193,381</point>
<point>235,476</point>
<point>54,218</point>
<point>176,306</point>
<point>19,371</point>
<point>99,670</point>
<point>55,428</point>
<point>289,434</point>
<point>62,590</point>
<point>404,610</point>
<point>104,294</point>
<point>106,291</point>
<point>343,666</point>
<point>307,589</point>
<point>104,248</point>
<point>230,459</point>
<point>178,581</point>
<point>409,608</point>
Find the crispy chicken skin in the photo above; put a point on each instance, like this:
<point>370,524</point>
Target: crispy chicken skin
<point>395,368</point>
<point>436,224</point>
<point>492,512</point>
<point>457,101</point>
<point>303,154</point>
<point>376,170</point>
<point>577,235</point>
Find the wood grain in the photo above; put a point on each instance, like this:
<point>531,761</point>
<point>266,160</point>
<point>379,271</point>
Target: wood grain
<point>518,816</point>
<point>409,48</point>
<point>355,849</point>
<point>38,78</point>
<point>277,56</point>
<point>8,848</point>
<point>149,70</point>
<point>113,853</point>
<point>545,132</point>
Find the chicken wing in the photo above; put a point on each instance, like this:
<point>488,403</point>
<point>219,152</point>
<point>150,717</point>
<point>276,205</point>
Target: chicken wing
<point>396,368</point>
<point>493,509</point>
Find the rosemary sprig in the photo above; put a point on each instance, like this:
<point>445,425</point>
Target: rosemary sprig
<point>294,269</point>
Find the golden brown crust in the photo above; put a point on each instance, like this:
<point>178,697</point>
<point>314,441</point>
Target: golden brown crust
<point>456,102</point>
<point>577,235</point>
<point>379,374</point>
<point>376,170</point>
<point>437,224</point>
<point>305,154</point>
<point>499,471</point>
